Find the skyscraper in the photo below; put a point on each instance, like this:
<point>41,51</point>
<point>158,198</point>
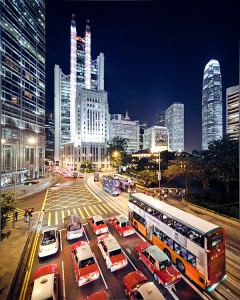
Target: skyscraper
<point>22,87</point>
<point>212,120</point>
<point>86,105</point>
<point>174,121</point>
<point>126,129</point>
<point>232,112</point>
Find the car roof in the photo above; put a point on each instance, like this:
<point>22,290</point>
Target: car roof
<point>84,252</point>
<point>122,218</point>
<point>158,254</point>
<point>49,229</point>
<point>43,287</point>
<point>72,219</point>
<point>97,218</point>
<point>111,242</point>
<point>149,291</point>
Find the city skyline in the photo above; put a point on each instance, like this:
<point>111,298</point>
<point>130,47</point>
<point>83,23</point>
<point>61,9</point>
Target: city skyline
<point>147,60</point>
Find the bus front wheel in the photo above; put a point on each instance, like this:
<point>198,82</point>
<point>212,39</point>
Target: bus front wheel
<point>167,253</point>
<point>180,266</point>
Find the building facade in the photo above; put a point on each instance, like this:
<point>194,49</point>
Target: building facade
<point>156,139</point>
<point>84,108</point>
<point>22,88</point>
<point>124,128</point>
<point>232,112</point>
<point>49,131</point>
<point>174,121</point>
<point>212,119</point>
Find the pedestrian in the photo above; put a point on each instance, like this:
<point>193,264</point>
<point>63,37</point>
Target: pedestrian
<point>16,215</point>
<point>26,215</point>
<point>165,197</point>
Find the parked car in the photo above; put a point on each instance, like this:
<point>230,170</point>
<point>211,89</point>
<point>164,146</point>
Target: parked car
<point>101,295</point>
<point>97,224</point>
<point>112,252</point>
<point>137,286</point>
<point>49,242</point>
<point>84,262</point>
<point>122,225</point>
<point>45,284</point>
<point>73,226</point>
<point>158,264</point>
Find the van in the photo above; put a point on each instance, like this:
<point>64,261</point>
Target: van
<point>73,226</point>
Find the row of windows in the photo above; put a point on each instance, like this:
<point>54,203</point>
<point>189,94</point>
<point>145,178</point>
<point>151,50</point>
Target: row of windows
<point>177,226</point>
<point>183,252</point>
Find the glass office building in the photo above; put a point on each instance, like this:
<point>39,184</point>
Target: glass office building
<point>22,88</point>
<point>232,112</point>
<point>212,119</point>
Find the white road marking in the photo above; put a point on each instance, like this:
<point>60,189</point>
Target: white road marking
<point>130,260</point>
<point>63,281</point>
<point>105,283</point>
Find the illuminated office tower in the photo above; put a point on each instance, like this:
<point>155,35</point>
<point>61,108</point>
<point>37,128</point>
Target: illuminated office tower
<point>232,112</point>
<point>22,88</point>
<point>212,120</point>
<point>174,121</point>
<point>124,128</point>
<point>86,103</point>
<point>155,138</point>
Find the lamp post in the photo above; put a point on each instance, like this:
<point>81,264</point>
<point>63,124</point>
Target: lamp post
<point>159,174</point>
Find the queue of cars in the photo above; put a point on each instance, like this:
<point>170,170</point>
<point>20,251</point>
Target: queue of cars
<point>86,268</point>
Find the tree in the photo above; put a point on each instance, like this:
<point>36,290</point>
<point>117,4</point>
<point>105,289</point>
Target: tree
<point>182,166</point>
<point>7,207</point>
<point>223,157</point>
<point>116,150</point>
<point>86,165</point>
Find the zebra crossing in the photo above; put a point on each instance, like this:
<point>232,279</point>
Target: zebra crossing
<point>52,218</point>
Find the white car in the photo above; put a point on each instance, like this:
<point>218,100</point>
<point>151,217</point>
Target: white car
<point>49,242</point>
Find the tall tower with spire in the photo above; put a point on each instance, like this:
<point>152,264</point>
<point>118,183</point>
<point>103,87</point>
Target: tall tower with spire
<point>212,119</point>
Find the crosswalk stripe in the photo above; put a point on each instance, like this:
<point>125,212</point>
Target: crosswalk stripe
<point>86,211</point>
<point>103,209</point>
<point>69,212</point>
<point>92,210</point>
<point>49,219</point>
<point>75,212</point>
<point>63,215</point>
<point>81,213</point>
<point>56,217</point>
<point>98,210</point>
<point>107,207</point>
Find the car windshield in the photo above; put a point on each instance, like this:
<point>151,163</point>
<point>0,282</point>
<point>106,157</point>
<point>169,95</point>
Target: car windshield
<point>137,286</point>
<point>99,223</point>
<point>124,224</point>
<point>86,262</point>
<point>164,264</point>
<point>48,237</point>
<point>74,227</point>
<point>115,252</point>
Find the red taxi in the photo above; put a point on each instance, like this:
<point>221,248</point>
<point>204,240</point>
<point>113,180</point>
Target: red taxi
<point>45,284</point>
<point>158,264</point>
<point>122,225</point>
<point>112,252</point>
<point>137,286</point>
<point>97,224</point>
<point>101,295</point>
<point>85,266</point>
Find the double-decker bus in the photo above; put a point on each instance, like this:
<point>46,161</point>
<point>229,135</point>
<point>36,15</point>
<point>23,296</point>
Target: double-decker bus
<point>196,246</point>
<point>111,185</point>
<point>127,185</point>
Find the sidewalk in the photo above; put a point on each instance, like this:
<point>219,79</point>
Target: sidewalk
<point>11,248</point>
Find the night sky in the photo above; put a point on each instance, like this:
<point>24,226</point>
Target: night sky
<point>155,53</point>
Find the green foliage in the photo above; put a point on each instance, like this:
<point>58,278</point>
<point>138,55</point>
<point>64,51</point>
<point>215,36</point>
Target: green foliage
<point>7,207</point>
<point>116,151</point>
<point>86,166</point>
